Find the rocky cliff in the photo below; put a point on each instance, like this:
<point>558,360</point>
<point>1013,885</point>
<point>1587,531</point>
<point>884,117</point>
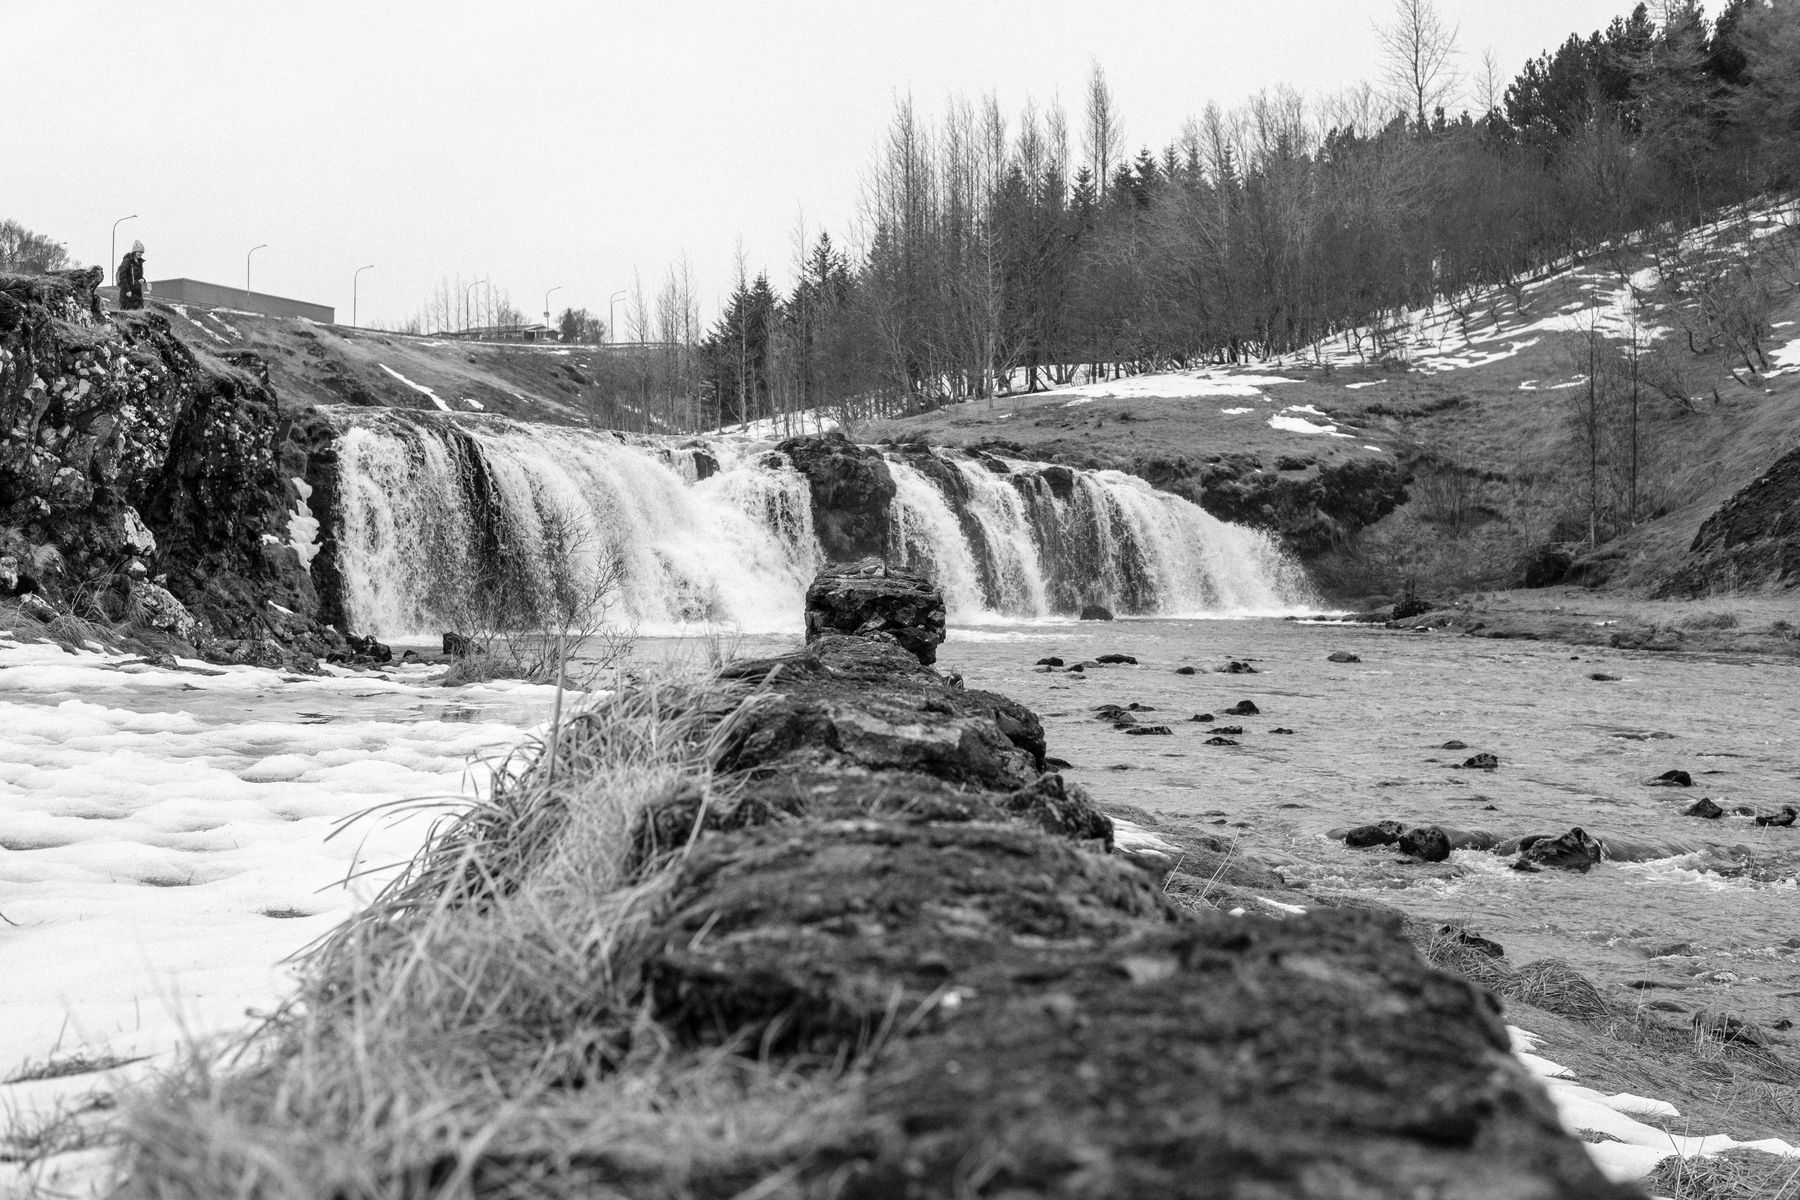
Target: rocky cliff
<point>143,483</point>
<point>1752,540</point>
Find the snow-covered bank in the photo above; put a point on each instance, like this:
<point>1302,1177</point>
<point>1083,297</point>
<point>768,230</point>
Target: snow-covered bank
<point>166,840</point>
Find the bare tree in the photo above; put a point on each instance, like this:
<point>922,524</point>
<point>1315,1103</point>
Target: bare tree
<point>1490,83</point>
<point>1105,133</point>
<point>1418,47</point>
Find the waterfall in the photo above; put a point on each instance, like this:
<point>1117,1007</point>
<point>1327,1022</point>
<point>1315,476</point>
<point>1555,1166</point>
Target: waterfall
<point>466,522</point>
<point>459,524</point>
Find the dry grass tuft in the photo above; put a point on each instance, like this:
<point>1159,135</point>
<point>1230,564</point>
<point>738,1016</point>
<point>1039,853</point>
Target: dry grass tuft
<point>1550,984</point>
<point>478,1028</point>
<point>1732,1175</point>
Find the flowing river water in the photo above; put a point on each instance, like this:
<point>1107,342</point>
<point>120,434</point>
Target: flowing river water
<point>1367,745</point>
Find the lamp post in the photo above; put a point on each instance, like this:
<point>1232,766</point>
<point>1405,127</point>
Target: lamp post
<point>466,291</point>
<point>612,315</point>
<point>115,245</point>
<point>253,250</point>
<point>557,288</point>
<point>354,278</point>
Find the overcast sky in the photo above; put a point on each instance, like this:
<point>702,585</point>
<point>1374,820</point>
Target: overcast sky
<point>573,143</point>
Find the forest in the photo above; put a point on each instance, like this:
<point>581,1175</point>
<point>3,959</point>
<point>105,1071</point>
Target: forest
<point>997,253</point>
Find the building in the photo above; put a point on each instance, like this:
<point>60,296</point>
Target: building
<point>217,295</point>
<point>537,331</point>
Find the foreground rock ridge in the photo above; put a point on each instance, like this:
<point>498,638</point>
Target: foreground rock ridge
<point>895,875</point>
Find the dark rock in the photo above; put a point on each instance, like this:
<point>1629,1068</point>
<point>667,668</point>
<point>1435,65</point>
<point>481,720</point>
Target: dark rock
<point>1342,656</point>
<point>1453,744</point>
<point>1603,677</point>
<point>1147,730</point>
<point>1243,708</point>
<point>852,494</point>
<point>1095,612</point>
<point>1753,538</point>
<point>1220,741</point>
<point>1228,730</point>
<point>869,599</point>
<point>1780,820</point>
<point>1116,660</point>
<point>1676,778</point>
<point>1056,764</point>
<point>1576,850</point>
<point>1201,717</point>
<point>1479,762</point>
<point>1186,670</point>
<point>1474,941</point>
<point>370,649</point>
<point>1545,566</point>
<point>1134,706</point>
<point>1428,842</point>
<point>1410,606</point>
<point>1280,729</point>
<point>1382,833</point>
<point>457,645</point>
<point>1049,662</point>
<point>1238,668</point>
<point>1703,807</point>
<point>1061,807</point>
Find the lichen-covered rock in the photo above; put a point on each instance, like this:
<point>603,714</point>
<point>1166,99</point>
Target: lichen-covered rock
<point>155,608</point>
<point>124,453</point>
<point>870,599</point>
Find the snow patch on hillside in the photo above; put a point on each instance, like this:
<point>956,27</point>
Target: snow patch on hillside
<point>417,387</point>
<point>1172,385</point>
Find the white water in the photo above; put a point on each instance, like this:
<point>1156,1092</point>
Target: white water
<point>485,522</point>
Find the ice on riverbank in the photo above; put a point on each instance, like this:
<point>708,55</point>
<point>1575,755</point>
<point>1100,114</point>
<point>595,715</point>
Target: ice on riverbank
<point>166,840</point>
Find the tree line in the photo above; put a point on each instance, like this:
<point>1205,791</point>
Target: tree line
<point>1001,254</point>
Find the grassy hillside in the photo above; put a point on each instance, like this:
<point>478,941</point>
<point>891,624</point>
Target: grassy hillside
<point>1482,400</point>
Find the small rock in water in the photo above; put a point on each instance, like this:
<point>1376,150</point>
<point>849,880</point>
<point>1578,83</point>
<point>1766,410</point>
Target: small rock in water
<point>1576,850</point>
<point>1427,842</point>
<point>1780,820</point>
<point>1114,660</point>
<point>1049,662</point>
<point>1201,717</point>
<point>1675,778</point>
<point>1057,764</point>
<point>1603,677</point>
<point>1228,730</point>
<point>1703,807</point>
<point>1478,762</point>
<point>1237,668</point>
<point>1342,656</point>
<point>1220,741</point>
<point>1280,729</point>
<point>1243,708</point>
<point>1453,744</point>
<point>1147,730</point>
<point>1096,612</point>
<point>1134,706</point>
<point>1187,670</point>
<point>1381,833</point>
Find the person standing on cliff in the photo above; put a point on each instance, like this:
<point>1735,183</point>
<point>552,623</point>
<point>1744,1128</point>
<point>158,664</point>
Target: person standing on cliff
<point>131,277</point>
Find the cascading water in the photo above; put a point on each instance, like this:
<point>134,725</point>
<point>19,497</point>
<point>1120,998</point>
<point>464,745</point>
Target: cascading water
<point>454,524</point>
<point>466,522</point>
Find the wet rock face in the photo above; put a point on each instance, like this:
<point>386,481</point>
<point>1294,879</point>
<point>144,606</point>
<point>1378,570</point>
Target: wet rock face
<point>133,457</point>
<point>883,861</point>
<point>852,494</point>
<point>869,599</point>
<point>1576,850</point>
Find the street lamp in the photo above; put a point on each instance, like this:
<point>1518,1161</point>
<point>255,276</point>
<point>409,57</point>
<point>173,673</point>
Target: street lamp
<point>466,291</point>
<point>115,245</point>
<point>353,282</point>
<point>253,250</point>
<point>612,315</point>
<point>557,288</point>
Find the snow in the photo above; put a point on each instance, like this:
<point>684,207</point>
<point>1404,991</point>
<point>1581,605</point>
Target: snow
<point>1301,425</point>
<point>417,387</point>
<point>1172,386</point>
<point>787,425</point>
<point>166,839</point>
<point>303,527</point>
<point>1366,383</point>
<point>1787,358</point>
<point>1639,1147</point>
<point>1232,412</point>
